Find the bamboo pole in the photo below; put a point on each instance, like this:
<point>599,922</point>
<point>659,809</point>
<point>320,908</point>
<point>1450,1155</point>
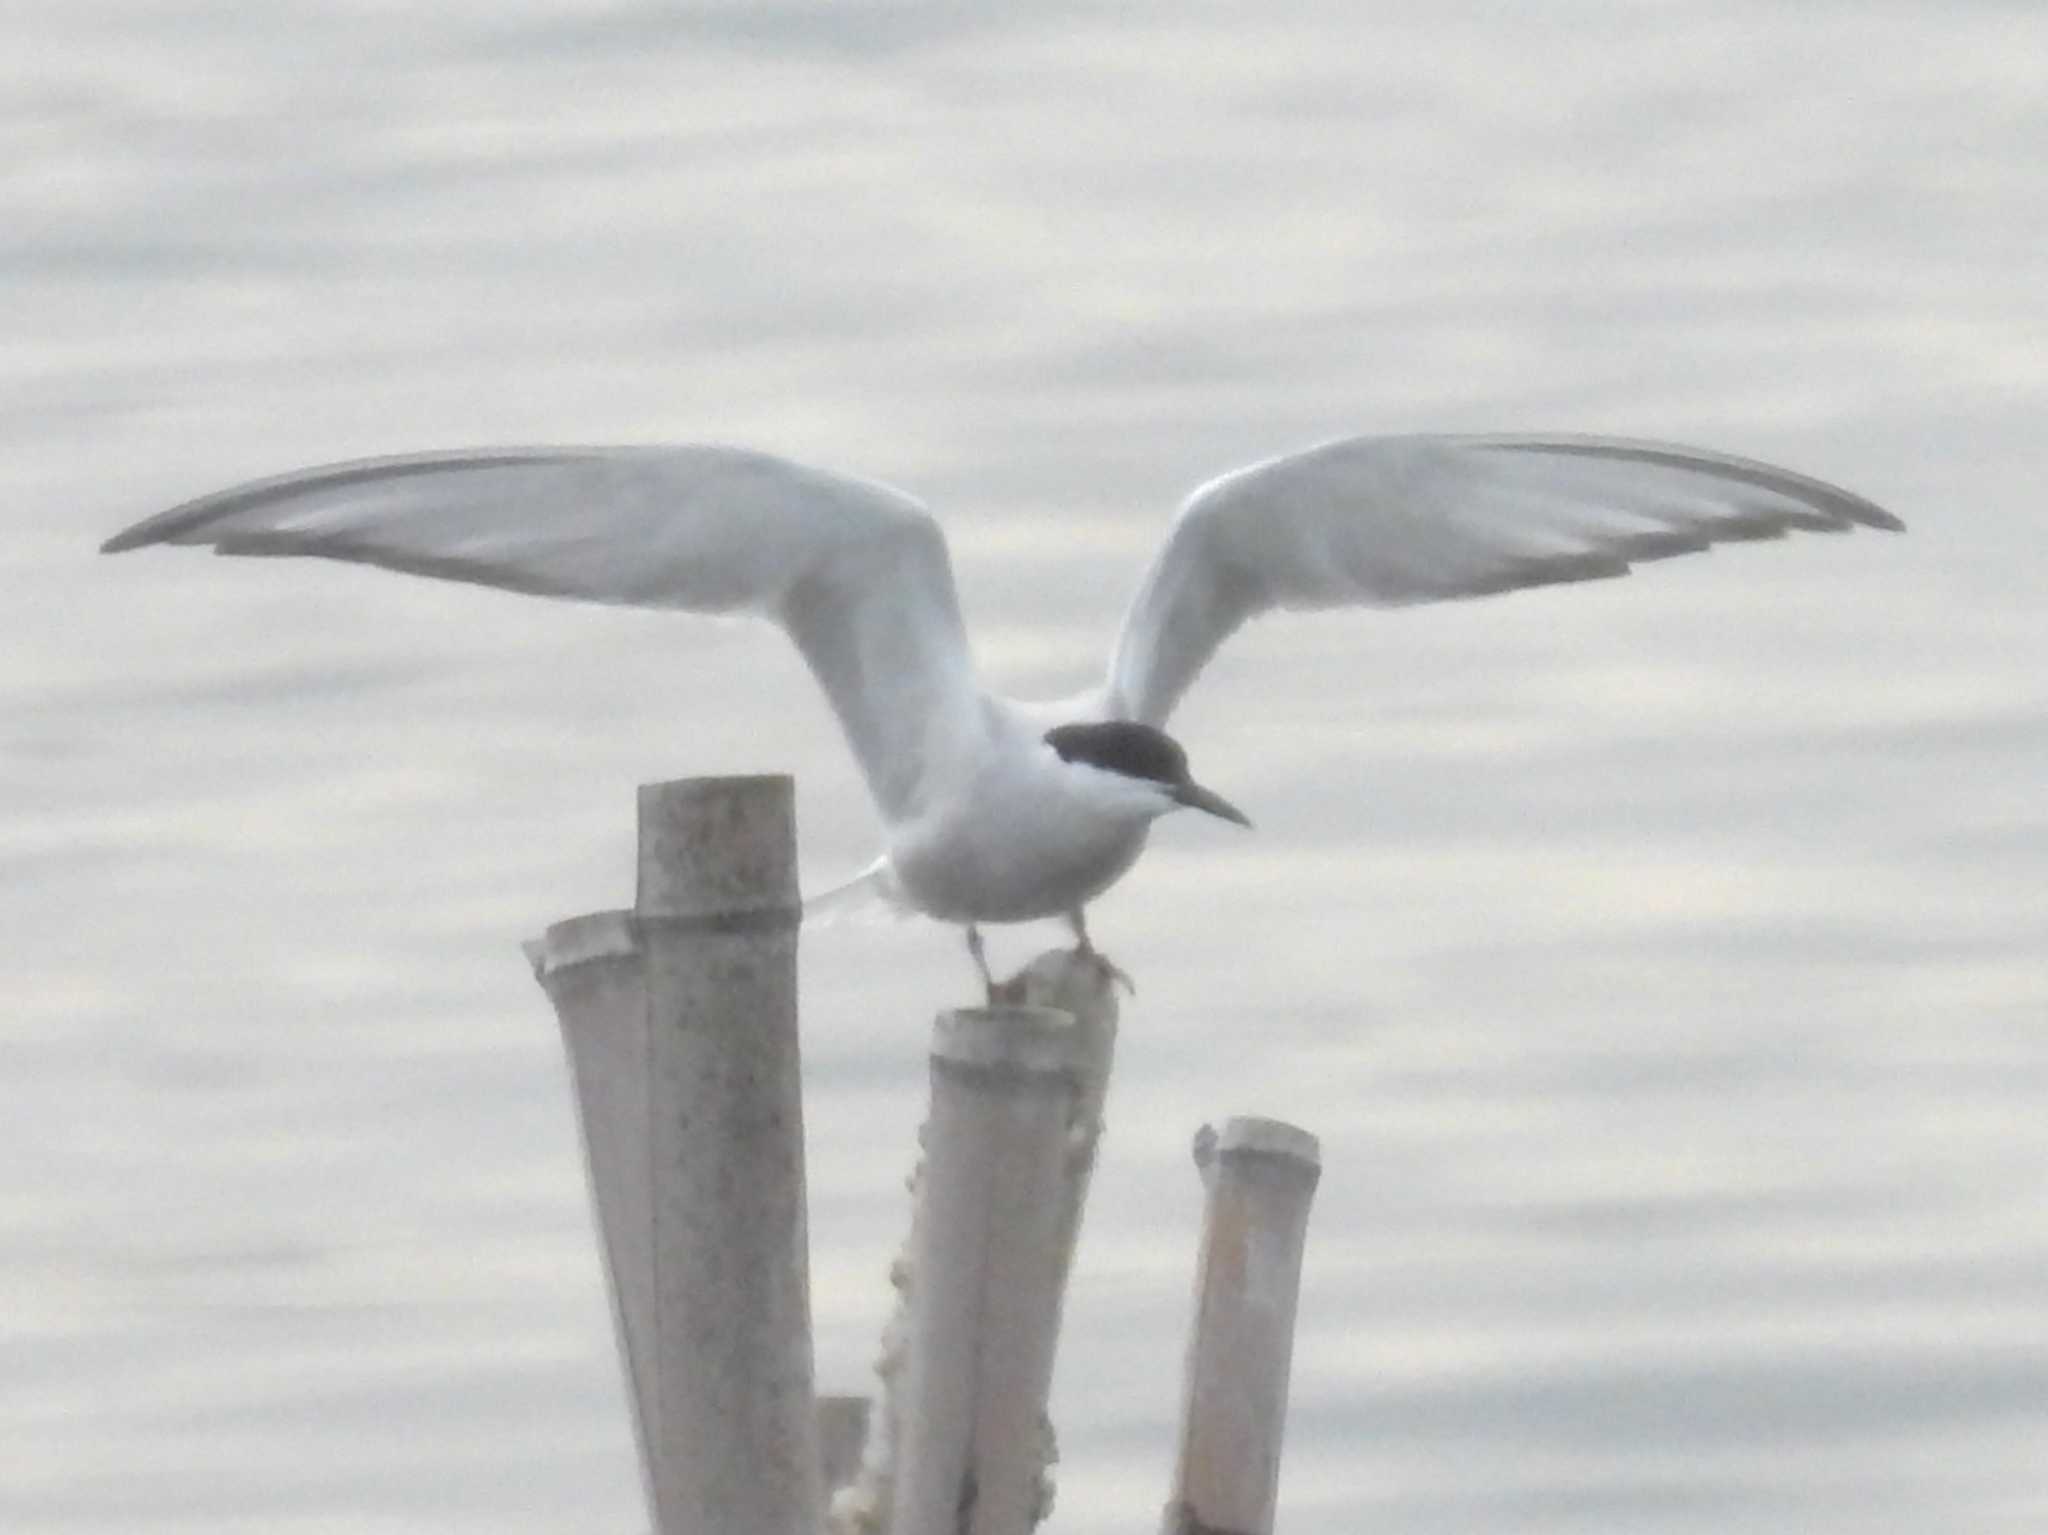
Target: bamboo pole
<point>997,1215</point>
<point>590,967</point>
<point>1260,1176</point>
<point>1058,982</point>
<point>680,1021</point>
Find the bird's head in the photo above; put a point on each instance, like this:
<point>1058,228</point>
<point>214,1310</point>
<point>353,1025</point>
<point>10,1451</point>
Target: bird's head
<point>1148,761</point>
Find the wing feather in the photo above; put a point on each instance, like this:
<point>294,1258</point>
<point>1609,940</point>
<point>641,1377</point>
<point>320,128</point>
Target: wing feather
<point>1390,521</point>
<point>857,573</point>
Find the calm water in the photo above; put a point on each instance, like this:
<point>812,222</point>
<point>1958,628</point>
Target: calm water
<point>1664,965</point>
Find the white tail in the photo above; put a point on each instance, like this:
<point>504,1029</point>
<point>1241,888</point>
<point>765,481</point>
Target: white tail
<point>870,896</point>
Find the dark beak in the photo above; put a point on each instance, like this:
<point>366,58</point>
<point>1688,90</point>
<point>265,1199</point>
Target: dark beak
<point>1195,797</point>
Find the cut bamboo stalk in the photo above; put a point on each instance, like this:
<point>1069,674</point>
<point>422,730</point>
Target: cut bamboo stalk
<point>680,1020</point>
<point>591,969</point>
<point>1080,987</point>
<point>992,1236</point>
<point>1260,1176</point>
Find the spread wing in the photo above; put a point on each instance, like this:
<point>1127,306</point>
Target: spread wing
<point>1387,521</point>
<point>856,573</point>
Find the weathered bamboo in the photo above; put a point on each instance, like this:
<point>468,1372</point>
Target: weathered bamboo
<point>1260,1175</point>
<point>1082,988</point>
<point>993,1239</point>
<point>680,1020</point>
<point>591,969</point>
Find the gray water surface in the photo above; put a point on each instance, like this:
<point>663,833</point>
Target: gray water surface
<point>1664,963</point>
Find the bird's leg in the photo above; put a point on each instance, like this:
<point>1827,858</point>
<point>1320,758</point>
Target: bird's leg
<point>979,955</point>
<point>1088,951</point>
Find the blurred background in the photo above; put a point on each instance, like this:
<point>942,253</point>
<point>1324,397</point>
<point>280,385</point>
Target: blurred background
<point>1663,963</point>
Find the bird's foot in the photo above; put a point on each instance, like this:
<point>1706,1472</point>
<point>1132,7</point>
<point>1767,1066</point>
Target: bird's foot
<point>979,955</point>
<point>1015,992</point>
<point>1108,968</point>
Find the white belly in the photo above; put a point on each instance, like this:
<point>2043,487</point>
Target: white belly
<point>995,873</point>
<point>1028,851</point>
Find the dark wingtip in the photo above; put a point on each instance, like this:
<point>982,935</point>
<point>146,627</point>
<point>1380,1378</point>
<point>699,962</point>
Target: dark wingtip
<point>159,529</point>
<point>1862,514</point>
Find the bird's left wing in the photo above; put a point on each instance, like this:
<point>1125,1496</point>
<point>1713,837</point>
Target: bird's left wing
<point>1388,521</point>
<point>857,573</point>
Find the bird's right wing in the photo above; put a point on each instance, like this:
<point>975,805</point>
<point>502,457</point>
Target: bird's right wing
<point>1388,521</point>
<point>857,573</point>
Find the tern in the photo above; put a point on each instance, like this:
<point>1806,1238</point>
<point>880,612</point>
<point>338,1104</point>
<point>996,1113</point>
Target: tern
<point>995,810</point>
